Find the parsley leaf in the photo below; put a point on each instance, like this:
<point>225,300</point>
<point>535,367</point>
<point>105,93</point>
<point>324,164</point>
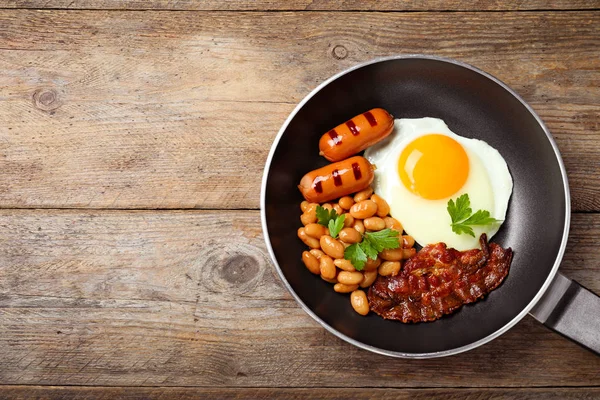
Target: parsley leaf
<point>461,210</point>
<point>356,255</point>
<point>463,218</point>
<point>384,239</point>
<point>481,217</point>
<point>336,225</point>
<point>372,244</point>
<point>324,215</point>
<point>369,250</point>
<point>460,229</point>
<point>331,220</point>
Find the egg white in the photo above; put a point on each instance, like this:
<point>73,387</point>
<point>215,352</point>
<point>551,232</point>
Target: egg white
<point>489,185</point>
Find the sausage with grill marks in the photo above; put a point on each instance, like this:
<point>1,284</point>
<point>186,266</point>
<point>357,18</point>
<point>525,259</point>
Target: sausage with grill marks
<point>355,135</point>
<point>337,179</point>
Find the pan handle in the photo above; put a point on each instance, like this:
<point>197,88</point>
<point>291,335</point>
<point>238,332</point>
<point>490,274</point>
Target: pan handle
<point>571,310</point>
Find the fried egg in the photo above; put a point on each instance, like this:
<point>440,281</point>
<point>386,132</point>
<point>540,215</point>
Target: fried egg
<point>422,164</point>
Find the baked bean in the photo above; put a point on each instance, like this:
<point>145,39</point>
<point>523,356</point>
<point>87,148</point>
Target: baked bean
<point>309,241</point>
<point>346,245</point>
<point>317,253</point>
<point>327,268</point>
<point>327,206</point>
<point>372,264</point>
<point>332,247</point>
<point>374,224</point>
<point>388,268</point>
<point>309,217</point>
<point>359,226</point>
<point>408,253</point>
<point>363,209</point>
<point>334,281</point>
<point>369,278</point>
<point>393,223</point>
<point>311,262</point>
<point>311,207</point>
<point>350,278</point>
<point>383,208</point>
<point>359,302</point>
<point>350,235</point>
<point>304,205</point>
<point>338,209</point>
<point>391,254</point>
<point>345,265</point>
<point>363,194</point>
<point>343,288</point>
<point>316,230</point>
<point>346,202</point>
<point>348,220</point>
<point>407,241</point>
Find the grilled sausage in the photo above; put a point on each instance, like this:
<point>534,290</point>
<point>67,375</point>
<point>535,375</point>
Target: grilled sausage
<point>337,180</point>
<point>355,135</point>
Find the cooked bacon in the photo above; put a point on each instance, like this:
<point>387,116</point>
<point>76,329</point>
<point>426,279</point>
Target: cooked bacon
<point>439,280</point>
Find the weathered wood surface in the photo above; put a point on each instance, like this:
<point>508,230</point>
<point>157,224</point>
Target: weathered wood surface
<point>66,393</point>
<point>189,298</point>
<point>106,109</point>
<point>177,110</point>
<point>335,5</point>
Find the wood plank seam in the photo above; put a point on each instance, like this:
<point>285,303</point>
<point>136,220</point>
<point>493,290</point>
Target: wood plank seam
<point>300,387</point>
<point>292,10</point>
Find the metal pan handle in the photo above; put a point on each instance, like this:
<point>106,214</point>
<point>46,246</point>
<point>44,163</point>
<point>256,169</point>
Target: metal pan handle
<point>571,310</point>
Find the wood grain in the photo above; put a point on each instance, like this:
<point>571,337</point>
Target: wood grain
<point>335,5</point>
<point>189,298</point>
<point>100,393</point>
<point>108,109</point>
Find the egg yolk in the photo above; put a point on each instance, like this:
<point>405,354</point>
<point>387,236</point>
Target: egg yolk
<point>433,166</point>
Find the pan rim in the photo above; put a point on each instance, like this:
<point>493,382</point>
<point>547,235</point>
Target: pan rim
<point>436,354</point>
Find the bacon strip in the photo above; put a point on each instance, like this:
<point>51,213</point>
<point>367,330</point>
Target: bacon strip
<point>438,281</point>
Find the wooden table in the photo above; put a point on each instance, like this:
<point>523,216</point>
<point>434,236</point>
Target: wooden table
<point>133,136</point>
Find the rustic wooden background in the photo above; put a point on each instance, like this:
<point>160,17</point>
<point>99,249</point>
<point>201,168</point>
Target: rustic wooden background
<point>133,136</point>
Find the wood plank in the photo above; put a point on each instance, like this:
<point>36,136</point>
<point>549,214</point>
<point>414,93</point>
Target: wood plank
<point>125,393</point>
<point>335,5</point>
<point>189,298</point>
<point>178,110</point>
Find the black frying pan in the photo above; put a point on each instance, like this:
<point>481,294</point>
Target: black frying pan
<point>475,105</point>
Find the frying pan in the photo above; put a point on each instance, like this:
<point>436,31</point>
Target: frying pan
<point>473,104</point>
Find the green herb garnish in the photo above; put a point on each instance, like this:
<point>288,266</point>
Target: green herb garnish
<point>330,219</point>
<point>356,255</point>
<point>463,218</point>
<point>336,225</point>
<point>324,215</point>
<point>372,244</point>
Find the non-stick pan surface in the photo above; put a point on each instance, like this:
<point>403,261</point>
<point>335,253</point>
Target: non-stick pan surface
<point>474,105</point>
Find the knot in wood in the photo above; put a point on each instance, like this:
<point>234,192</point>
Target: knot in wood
<point>239,269</point>
<point>236,268</point>
<point>339,52</point>
<point>46,99</point>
